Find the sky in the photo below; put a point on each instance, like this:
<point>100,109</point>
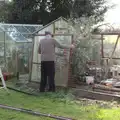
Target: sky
<point>113,15</point>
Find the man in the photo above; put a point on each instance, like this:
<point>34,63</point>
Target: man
<point>47,51</point>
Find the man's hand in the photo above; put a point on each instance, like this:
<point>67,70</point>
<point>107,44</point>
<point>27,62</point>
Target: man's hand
<point>72,46</point>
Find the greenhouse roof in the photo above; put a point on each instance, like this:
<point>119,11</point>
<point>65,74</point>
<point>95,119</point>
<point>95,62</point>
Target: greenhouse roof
<point>19,32</point>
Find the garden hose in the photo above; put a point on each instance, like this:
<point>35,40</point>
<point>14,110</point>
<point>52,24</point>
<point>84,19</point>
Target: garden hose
<point>34,113</point>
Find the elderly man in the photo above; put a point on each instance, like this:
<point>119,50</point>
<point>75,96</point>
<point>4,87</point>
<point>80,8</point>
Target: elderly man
<point>47,50</point>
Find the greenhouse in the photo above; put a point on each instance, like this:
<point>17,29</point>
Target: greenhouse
<point>16,47</point>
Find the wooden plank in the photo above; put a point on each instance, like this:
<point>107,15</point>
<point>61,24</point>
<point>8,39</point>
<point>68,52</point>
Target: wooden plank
<point>107,33</point>
<point>70,61</point>
<point>36,63</point>
<point>30,72</point>
<point>109,58</point>
<point>54,34</point>
<point>102,87</point>
<point>102,47</point>
<point>95,95</point>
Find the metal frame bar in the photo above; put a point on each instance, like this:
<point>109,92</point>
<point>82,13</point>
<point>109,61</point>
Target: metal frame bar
<point>5,24</point>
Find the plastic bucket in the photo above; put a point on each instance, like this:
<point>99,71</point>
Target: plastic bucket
<point>89,79</point>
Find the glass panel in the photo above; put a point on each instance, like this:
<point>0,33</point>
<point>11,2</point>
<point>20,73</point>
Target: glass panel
<point>33,28</point>
<point>109,44</point>
<point>21,29</point>
<point>1,30</point>
<point>19,32</point>
<point>6,27</point>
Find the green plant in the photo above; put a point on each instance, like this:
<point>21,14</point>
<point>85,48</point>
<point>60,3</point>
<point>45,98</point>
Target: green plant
<point>87,45</point>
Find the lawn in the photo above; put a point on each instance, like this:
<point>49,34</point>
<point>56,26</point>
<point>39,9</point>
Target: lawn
<point>60,104</point>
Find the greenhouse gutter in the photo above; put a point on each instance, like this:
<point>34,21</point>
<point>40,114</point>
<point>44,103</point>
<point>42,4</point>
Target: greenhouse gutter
<point>34,113</point>
<point>27,93</point>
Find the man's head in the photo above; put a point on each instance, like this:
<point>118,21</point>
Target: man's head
<point>48,35</point>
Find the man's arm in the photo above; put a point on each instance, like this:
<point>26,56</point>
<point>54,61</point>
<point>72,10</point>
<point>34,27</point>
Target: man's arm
<point>57,44</point>
<point>39,49</point>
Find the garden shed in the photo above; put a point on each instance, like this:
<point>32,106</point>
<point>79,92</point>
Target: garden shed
<point>60,29</point>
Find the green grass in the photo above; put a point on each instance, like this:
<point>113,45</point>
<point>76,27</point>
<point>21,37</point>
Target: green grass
<point>56,104</point>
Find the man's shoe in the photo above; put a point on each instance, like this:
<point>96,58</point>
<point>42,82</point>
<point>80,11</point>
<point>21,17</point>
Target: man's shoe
<point>41,90</point>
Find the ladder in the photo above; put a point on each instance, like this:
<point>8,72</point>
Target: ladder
<point>3,81</point>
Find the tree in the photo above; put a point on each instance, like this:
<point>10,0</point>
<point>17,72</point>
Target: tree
<point>87,45</point>
<point>45,11</point>
<point>88,8</point>
<point>5,11</point>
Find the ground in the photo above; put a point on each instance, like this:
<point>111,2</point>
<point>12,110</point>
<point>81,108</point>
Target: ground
<point>60,103</point>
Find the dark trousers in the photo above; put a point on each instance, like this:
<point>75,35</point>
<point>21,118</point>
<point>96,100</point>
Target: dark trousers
<point>47,73</point>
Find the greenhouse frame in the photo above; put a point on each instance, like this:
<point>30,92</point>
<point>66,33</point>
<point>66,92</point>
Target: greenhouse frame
<point>16,47</point>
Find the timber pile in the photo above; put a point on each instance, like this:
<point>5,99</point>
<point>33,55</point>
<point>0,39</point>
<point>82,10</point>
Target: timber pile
<point>96,95</point>
<point>106,88</point>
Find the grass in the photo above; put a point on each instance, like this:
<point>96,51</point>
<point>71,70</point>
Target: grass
<point>60,104</point>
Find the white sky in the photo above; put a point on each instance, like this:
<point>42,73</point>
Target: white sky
<point>113,15</point>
